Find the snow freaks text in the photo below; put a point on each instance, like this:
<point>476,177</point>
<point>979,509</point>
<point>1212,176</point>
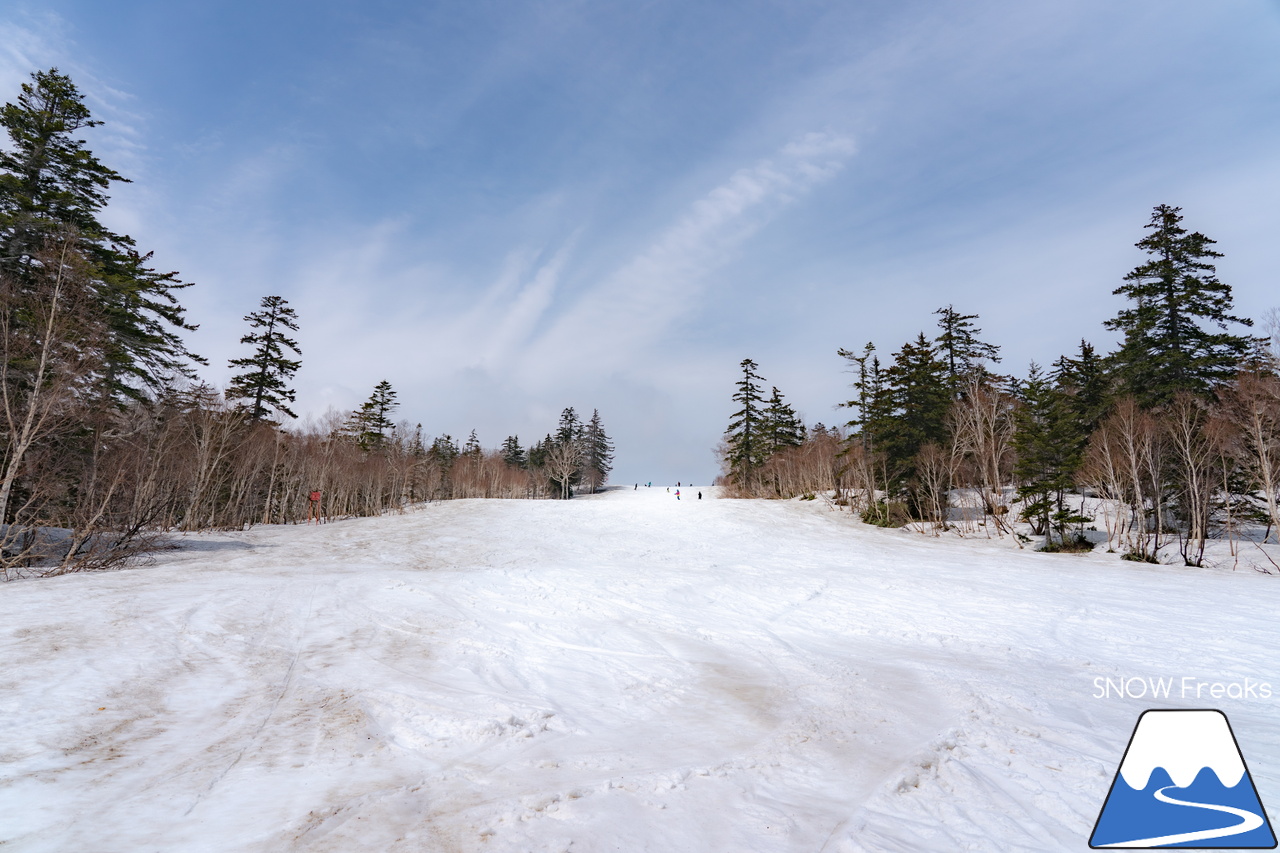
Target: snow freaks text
<point>1186,687</point>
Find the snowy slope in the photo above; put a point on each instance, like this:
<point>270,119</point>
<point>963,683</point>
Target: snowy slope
<point>621,672</point>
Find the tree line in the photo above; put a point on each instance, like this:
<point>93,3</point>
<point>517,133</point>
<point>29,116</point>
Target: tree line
<point>109,437</point>
<point>1175,435</point>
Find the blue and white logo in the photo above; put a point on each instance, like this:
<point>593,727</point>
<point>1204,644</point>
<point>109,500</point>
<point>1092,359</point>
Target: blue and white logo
<point>1183,783</point>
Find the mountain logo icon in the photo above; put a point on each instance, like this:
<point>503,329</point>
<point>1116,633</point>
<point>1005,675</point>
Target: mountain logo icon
<point>1183,783</point>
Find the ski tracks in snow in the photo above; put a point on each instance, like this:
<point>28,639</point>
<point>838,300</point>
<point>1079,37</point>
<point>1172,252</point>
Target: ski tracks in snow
<point>618,672</point>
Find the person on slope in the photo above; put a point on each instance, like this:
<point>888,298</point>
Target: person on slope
<point>677,494</point>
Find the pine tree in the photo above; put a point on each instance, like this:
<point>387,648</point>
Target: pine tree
<point>565,454</point>
<point>960,349</point>
<point>598,451</point>
<point>472,447</point>
<point>264,384</point>
<point>49,182</point>
<point>1175,301</point>
<point>512,453</point>
<point>443,451</point>
<point>52,187</point>
<point>537,457</point>
<point>872,402</point>
<point>1050,442</point>
<point>372,421</point>
<point>781,428</point>
<point>569,428</point>
<point>917,395</point>
<point>745,439</point>
<point>1085,379</point>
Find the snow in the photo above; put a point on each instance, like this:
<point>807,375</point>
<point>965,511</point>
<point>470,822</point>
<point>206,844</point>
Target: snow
<point>618,672</point>
<point>1183,743</point>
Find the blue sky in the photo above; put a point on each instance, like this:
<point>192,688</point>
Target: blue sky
<point>509,208</point>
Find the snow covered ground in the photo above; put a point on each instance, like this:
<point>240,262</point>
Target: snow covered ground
<point>621,672</point>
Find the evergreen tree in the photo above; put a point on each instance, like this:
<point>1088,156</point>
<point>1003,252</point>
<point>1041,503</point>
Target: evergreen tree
<point>1085,379</point>
<point>49,182</point>
<point>443,451</point>
<point>472,447</point>
<point>372,421</point>
<point>1176,302</point>
<point>916,396</point>
<point>598,452</point>
<point>872,402</point>
<point>565,453</point>
<point>745,437</point>
<point>264,384</point>
<point>52,187</point>
<point>538,453</point>
<point>781,427</point>
<point>960,349</point>
<point>570,428</point>
<point>1050,442</point>
<point>512,453</point>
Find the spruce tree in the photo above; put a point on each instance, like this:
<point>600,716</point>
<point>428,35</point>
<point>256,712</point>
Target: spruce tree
<point>870,402</point>
<point>443,451</point>
<point>52,187</point>
<point>598,449</point>
<point>960,349</point>
<point>537,457</point>
<point>1175,336</point>
<point>745,439</point>
<point>565,454</point>
<point>570,428</point>
<point>265,383</point>
<point>781,427</point>
<point>1085,379</point>
<point>472,447</point>
<point>1050,442</point>
<point>372,420</point>
<point>512,453</point>
<point>917,392</point>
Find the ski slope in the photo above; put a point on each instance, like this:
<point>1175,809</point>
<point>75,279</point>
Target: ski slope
<point>619,672</point>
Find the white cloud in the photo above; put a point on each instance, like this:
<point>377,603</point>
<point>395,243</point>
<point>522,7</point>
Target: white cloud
<point>632,308</point>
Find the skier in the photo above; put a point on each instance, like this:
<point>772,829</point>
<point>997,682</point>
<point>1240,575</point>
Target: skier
<point>677,494</point>
<point>699,495</point>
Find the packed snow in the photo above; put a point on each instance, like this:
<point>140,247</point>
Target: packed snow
<point>620,672</point>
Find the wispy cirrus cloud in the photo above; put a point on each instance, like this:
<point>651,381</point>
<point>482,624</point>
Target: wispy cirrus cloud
<point>634,306</point>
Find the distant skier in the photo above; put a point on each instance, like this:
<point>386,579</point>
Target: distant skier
<point>313,507</point>
<point>699,495</point>
<point>677,494</point>
<point>637,488</point>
